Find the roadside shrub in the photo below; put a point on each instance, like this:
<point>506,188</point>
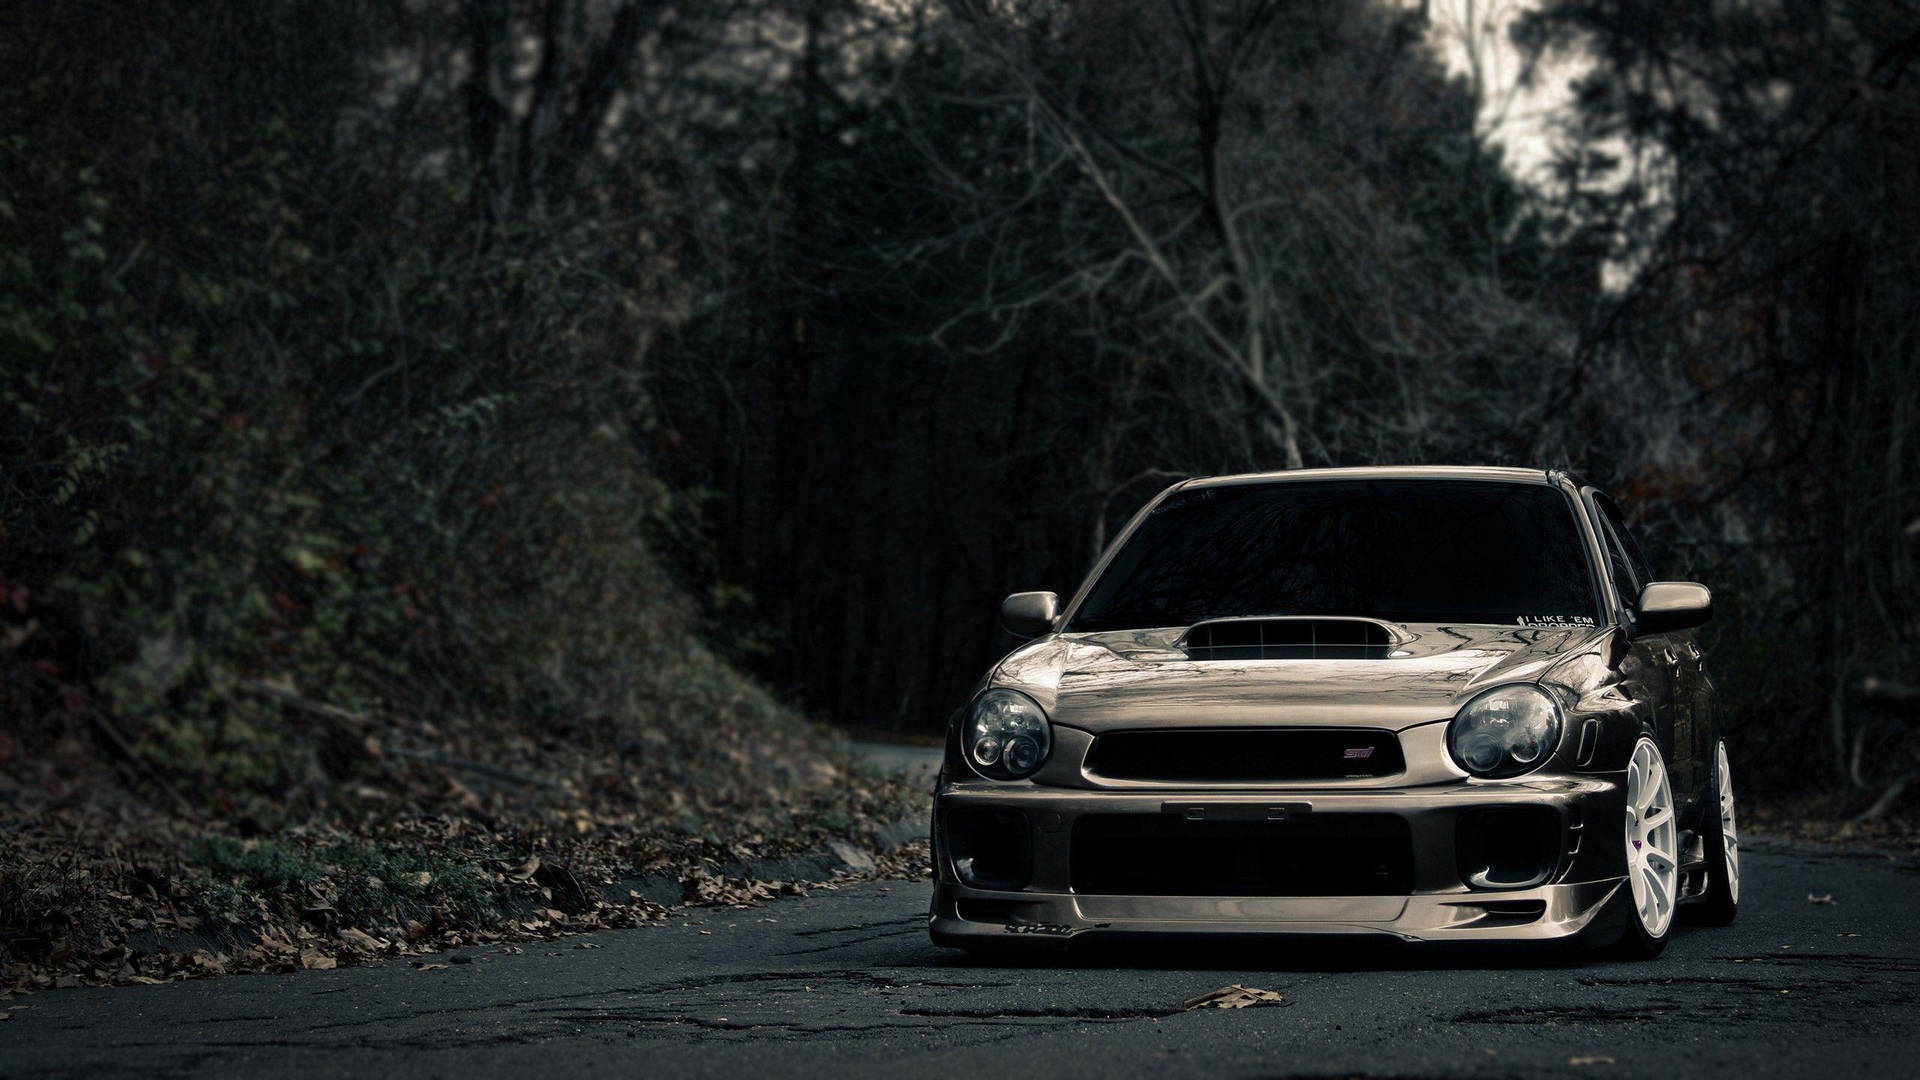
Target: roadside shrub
<point>269,468</point>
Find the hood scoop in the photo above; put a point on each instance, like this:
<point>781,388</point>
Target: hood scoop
<point>1290,637</point>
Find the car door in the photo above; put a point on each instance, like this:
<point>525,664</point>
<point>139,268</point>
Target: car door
<point>1671,658</point>
<point>1694,691</point>
<point>1703,705</point>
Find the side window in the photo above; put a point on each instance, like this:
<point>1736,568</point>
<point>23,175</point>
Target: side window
<point>1630,547</point>
<point>1626,584</point>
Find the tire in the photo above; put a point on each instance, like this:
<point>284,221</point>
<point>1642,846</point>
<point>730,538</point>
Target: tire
<point>1721,834</point>
<point>1652,854</point>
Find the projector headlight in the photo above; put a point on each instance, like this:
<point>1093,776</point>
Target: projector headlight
<point>1506,731</point>
<point>1007,736</point>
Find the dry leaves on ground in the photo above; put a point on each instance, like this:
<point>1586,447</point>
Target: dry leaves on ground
<point>99,886</point>
<point>1233,996</point>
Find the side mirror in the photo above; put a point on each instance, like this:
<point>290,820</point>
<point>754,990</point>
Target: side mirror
<point>1671,605</point>
<point>1029,614</point>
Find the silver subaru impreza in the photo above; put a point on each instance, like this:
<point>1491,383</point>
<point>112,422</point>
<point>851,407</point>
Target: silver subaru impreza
<point>1424,705</point>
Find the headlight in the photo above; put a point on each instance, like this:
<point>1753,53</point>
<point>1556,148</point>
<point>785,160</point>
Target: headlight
<point>1007,735</point>
<point>1506,731</point>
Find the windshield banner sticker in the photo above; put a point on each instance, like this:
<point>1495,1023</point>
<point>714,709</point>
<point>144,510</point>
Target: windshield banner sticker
<point>1559,621</point>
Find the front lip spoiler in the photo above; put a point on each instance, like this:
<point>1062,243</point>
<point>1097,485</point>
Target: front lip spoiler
<point>1572,916</point>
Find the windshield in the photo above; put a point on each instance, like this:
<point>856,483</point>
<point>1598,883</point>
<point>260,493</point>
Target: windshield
<point>1461,551</point>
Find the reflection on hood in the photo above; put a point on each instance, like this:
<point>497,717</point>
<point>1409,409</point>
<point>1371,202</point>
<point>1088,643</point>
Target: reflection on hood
<point>1145,678</point>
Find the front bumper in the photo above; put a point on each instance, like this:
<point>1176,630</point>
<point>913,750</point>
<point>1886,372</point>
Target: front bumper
<point>1434,896</point>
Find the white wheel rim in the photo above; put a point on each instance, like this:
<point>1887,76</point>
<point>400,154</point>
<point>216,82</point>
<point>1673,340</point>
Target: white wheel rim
<point>1729,831</point>
<point>1653,869</point>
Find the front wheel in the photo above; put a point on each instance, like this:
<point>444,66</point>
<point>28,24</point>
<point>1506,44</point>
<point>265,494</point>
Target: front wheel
<point>1722,899</point>
<point>1653,854</point>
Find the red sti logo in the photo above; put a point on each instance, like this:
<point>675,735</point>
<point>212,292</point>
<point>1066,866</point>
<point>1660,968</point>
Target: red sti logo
<point>1357,753</point>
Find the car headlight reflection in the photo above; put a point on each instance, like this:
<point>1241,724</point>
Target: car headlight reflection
<point>1506,731</point>
<point>1007,736</point>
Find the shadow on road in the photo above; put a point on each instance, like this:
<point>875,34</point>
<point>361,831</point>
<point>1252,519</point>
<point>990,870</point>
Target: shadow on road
<point>1269,956</point>
<point>1263,953</point>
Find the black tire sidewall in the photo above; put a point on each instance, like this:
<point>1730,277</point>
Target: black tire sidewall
<point>1718,906</point>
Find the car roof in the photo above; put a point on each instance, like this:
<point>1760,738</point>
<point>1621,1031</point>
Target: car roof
<point>1388,472</point>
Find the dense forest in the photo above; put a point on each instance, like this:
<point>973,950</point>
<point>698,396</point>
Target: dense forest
<point>565,366</point>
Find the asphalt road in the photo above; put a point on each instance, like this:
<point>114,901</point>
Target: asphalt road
<point>845,983</point>
<point>917,762</point>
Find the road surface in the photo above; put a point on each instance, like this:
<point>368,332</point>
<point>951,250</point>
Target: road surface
<point>916,762</point>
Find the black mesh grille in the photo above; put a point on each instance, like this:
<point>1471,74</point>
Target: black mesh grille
<point>991,848</point>
<point>1245,755</point>
<point>1313,855</point>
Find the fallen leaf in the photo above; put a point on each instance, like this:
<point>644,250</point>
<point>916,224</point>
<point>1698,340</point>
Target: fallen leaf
<point>362,940</point>
<point>1232,996</point>
<point>315,960</point>
<point>461,794</point>
<point>1825,898</point>
<point>525,870</point>
<point>1591,1059</point>
<point>433,967</point>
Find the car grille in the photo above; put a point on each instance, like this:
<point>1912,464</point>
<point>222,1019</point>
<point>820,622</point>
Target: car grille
<point>1311,855</point>
<point>1245,755</point>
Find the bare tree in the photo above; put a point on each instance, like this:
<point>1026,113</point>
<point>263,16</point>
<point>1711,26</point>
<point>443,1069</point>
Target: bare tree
<point>1242,199</point>
<point>530,134</point>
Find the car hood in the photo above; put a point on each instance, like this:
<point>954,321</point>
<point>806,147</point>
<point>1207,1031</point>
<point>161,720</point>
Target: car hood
<point>1142,678</point>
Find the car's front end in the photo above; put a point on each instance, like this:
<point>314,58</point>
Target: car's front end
<point>1137,772</point>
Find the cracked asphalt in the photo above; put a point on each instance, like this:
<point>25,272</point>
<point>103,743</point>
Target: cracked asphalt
<point>845,983</point>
